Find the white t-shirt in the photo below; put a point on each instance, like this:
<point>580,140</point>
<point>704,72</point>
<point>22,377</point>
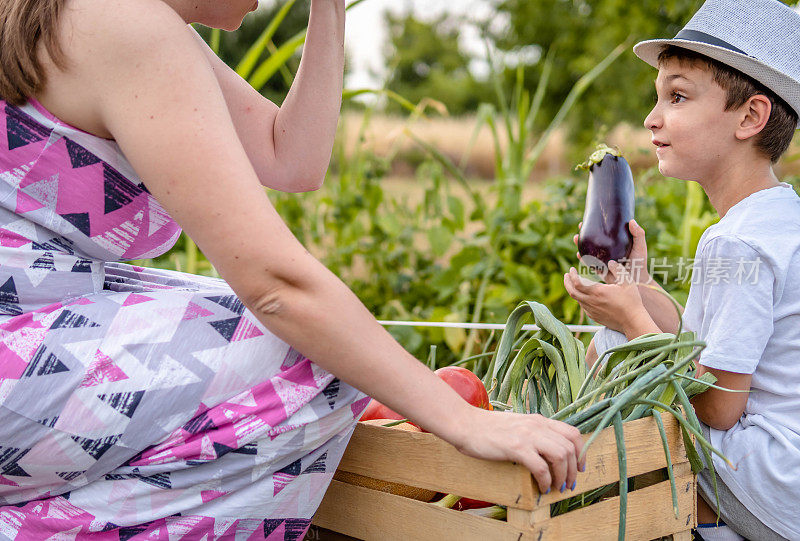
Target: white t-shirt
<point>744,302</point>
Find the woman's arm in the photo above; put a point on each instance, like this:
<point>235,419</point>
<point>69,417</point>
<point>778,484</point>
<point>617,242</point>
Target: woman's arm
<point>290,147</point>
<point>159,98</point>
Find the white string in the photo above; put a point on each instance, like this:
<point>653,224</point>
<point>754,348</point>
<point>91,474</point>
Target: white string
<point>486,326</point>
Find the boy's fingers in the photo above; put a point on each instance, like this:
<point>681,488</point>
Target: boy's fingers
<point>580,284</point>
<point>569,285</point>
<point>621,274</point>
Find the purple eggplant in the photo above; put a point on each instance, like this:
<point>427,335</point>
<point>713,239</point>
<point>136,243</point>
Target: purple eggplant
<point>610,205</point>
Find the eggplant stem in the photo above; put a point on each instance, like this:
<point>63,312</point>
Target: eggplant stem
<point>598,155</point>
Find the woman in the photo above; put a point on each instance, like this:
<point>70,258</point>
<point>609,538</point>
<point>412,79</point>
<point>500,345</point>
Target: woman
<point>143,402</point>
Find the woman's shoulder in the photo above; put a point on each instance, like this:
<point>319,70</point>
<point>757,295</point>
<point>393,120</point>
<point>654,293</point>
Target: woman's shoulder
<point>92,34</point>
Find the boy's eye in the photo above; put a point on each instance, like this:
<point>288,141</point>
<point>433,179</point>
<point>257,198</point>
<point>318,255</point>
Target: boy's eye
<point>676,97</point>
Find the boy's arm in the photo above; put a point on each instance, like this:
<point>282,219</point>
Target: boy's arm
<point>722,409</point>
<point>737,323</point>
<point>658,305</point>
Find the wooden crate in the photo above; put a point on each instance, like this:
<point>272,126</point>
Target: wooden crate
<point>423,460</point>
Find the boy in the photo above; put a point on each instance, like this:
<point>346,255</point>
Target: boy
<point>728,99</point>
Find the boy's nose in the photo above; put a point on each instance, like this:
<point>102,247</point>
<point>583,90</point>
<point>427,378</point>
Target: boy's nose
<point>653,120</point>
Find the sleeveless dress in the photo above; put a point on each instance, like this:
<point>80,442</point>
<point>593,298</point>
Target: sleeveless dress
<point>138,403</point>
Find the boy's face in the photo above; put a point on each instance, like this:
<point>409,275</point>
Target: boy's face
<point>691,129</point>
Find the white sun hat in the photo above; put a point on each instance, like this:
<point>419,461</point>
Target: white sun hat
<point>760,38</point>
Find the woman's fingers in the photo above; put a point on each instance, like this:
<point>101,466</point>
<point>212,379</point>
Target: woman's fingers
<point>571,463</point>
<point>560,453</point>
<point>557,456</point>
<point>548,449</point>
<point>573,435</point>
<point>540,470</point>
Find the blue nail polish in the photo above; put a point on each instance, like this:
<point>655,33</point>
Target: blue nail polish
<point>563,486</point>
<point>583,468</point>
<point>574,484</point>
<point>547,491</point>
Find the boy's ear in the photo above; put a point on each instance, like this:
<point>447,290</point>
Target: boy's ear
<point>755,114</point>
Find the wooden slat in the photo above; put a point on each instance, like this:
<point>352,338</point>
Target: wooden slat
<point>315,533</point>
<point>426,461</point>
<point>643,448</point>
<point>524,518</point>
<point>369,514</point>
<point>649,515</point>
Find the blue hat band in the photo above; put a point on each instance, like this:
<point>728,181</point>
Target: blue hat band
<point>708,39</point>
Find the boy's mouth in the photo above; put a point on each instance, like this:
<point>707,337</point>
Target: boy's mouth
<point>659,144</point>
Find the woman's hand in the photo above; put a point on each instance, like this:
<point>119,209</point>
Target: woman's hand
<point>548,448</point>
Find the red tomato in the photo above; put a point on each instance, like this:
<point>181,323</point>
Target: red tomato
<point>468,503</point>
<point>376,410</point>
<point>466,384</point>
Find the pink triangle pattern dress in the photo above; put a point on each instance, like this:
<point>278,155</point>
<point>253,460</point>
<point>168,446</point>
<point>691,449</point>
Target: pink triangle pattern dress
<point>138,403</point>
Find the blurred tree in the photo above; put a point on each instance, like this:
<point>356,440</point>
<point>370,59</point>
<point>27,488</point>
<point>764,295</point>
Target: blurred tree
<point>425,59</point>
<point>583,32</point>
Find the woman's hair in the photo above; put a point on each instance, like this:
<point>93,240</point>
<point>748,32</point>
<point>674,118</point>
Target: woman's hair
<point>23,24</point>
<point>777,134</point>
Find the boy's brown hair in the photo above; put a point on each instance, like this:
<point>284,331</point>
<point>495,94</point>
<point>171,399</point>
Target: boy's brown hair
<point>777,134</point>
<point>23,25</point>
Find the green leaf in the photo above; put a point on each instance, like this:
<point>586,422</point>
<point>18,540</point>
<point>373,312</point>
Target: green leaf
<point>440,238</point>
<point>250,59</point>
<point>272,64</point>
<point>389,223</point>
<point>456,208</point>
<point>454,337</point>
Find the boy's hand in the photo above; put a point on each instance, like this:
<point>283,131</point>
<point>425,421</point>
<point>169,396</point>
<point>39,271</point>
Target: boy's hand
<point>616,305</point>
<point>635,264</point>
<point>637,260</point>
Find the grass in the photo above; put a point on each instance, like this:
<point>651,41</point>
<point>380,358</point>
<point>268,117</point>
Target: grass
<point>451,136</point>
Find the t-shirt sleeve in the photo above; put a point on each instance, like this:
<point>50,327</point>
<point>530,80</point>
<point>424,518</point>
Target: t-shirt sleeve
<point>737,296</point>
